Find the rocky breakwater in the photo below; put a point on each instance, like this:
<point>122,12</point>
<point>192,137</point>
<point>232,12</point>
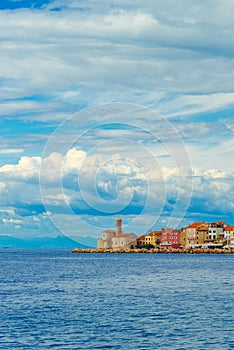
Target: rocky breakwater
<point>154,251</point>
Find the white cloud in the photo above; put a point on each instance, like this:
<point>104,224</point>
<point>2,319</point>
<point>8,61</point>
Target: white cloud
<point>118,186</point>
<point>167,55</point>
<point>56,199</point>
<point>7,211</point>
<point>27,168</point>
<point>110,49</point>
<point>12,221</point>
<point>11,150</point>
<point>73,160</point>
<point>197,104</point>
<point>20,107</point>
<point>213,173</point>
<point>53,167</point>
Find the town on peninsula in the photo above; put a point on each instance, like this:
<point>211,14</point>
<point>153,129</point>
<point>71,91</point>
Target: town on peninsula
<point>198,237</point>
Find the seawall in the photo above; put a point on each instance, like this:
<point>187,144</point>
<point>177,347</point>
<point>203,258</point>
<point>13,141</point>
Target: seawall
<point>154,251</point>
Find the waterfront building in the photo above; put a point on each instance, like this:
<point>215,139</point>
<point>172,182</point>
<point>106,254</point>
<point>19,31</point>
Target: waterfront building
<point>202,234</point>
<point>106,241</point>
<point>216,230</point>
<point>124,240</point>
<point>112,239</point>
<point>229,235</point>
<point>151,239</point>
<point>170,238</point>
<point>191,233</point>
<point>141,241</point>
<point>155,238</point>
<point>183,237</point>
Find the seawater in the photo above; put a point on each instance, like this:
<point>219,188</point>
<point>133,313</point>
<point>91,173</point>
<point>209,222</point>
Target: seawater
<point>53,299</point>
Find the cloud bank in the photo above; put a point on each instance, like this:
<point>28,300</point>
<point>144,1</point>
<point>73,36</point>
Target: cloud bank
<point>63,57</point>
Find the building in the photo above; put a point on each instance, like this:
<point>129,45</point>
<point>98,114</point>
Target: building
<point>141,241</point>
<point>156,238</point>
<point>118,226</point>
<point>170,238</point>
<point>229,235</point>
<point>151,239</point>
<point>113,239</point>
<point>124,240</point>
<point>191,233</point>
<point>183,237</point>
<point>106,241</point>
<point>216,230</point>
<point>202,234</point>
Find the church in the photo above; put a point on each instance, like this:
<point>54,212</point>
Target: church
<point>115,239</point>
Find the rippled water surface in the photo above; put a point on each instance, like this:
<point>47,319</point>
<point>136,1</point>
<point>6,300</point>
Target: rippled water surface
<point>56,299</point>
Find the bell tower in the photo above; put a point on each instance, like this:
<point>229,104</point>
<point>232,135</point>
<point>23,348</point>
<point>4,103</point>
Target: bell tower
<point>118,226</point>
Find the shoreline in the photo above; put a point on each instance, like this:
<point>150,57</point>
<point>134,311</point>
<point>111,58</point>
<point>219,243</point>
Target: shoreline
<point>153,251</point>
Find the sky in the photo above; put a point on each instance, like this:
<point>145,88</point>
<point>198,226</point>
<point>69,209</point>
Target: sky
<point>115,109</point>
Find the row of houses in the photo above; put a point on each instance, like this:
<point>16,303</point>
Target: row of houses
<point>198,234</point>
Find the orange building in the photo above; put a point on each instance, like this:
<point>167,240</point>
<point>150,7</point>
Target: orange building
<point>191,233</point>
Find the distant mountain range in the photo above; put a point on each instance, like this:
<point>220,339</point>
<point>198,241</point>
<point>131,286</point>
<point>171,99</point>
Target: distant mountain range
<point>60,241</point>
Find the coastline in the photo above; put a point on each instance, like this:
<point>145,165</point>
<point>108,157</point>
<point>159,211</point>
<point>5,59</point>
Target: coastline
<point>153,251</point>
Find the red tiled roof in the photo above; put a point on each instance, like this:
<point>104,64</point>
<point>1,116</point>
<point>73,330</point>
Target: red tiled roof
<point>141,237</point>
<point>155,233</point>
<point>219,222</point>
<point>195,225</point>
<point>229,228</point>
<point>203,228</point>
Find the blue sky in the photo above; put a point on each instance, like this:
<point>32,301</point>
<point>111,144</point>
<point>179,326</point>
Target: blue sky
<point>121,108</point>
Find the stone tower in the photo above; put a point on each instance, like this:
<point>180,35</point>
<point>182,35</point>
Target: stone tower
<point>118,226</point>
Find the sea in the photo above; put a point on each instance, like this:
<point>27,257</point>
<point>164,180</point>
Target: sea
<point>53,299</point>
